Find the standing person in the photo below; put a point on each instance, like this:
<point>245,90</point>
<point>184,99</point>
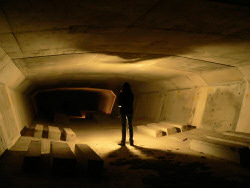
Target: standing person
<point>125,100</point>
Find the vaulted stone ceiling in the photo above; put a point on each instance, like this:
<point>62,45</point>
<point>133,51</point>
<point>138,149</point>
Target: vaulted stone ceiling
<point>85,40</point>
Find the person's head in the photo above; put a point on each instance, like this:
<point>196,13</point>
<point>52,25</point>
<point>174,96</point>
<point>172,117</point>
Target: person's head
<point>126,87</point>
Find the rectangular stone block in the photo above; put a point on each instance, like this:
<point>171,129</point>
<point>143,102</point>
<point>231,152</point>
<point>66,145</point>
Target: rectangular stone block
<point>164,127</point>
<point>45,146</point>
<point>32,160</point>
<point>54,133</point>
<point>230,139</point>
<point>38,131</point>
<point>62,159</point>
<point>69,134</point>
<point>150,131</point>
<point>179,127</point>
<point>228,151</point>
<point>91,163</point>
<point>237,134</point>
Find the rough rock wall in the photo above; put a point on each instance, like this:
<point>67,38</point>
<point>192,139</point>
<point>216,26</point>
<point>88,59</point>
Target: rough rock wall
<point>220,105</point>
<point>15,112</point>
<point>9,127</point>
<point>148,106</point>
<point>223,107</point>
<point>22,108</point>
<point>179,106</point>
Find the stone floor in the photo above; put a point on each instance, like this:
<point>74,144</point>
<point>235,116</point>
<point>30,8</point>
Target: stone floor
<point>153,162</point>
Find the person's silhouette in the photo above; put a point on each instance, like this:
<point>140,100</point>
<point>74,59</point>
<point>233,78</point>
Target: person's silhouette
<point>125,100</point>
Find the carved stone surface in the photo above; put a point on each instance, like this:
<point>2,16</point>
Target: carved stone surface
<point>91,163</point>
<point>32,159</point>
<point>62,159</point>
<point>69,134</point>
<point>225,150</point>
<point>150,131</point>
<point>38,131</point>
<point>54,133</point>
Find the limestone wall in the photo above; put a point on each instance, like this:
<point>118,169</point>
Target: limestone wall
<point>148,106</point>
<point>15,114</point>
<point>219,101</point>
<point>9,127</point>
<point>3,146</point>
<point>244,119</point>
<point>22,108</point>
<point>179,106</point>
<point>15,110</point>
<point>223,107</point>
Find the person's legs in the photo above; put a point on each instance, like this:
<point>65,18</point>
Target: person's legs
<point>131,134</point>
<point>124,122</point>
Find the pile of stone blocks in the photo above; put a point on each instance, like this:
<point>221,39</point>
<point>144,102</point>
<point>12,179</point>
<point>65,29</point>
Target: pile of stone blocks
<point>62,159</point>
<point>162,128</point>
<point>52,132</point>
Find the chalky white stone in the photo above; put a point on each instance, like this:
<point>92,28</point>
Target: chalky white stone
<point>221,149</point>
<point>69,134</point>
<point>164,127</point>
<point>150,131</point>
<point>179,127</point>
<point>38,131</point>
<point>54,133</point>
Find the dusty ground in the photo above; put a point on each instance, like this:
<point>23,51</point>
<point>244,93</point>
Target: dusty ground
<point>153,162</point>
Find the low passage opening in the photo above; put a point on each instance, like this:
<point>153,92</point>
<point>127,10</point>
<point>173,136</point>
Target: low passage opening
<point>64,104</point>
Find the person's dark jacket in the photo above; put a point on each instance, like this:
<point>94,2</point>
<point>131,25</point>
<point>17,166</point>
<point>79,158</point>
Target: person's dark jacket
<point>125,100</point>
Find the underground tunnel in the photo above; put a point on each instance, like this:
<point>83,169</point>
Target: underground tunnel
<point>62,68</point>
<point>71,103</point>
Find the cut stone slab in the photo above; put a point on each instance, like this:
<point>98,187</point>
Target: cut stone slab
<point>228,151</point>
<point>150,131</point>
<point>180,128</point>
<point>237,134</point>
<point>91,163</point>
<point>164,127</point>
<point>45,146</point>
<point>54,133</point>
<point>22,144</point>
<point>38,131</point>
<point>231,139</point>
<point>32,159</point>
<point>62,159</point>
<point>69,134</point>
